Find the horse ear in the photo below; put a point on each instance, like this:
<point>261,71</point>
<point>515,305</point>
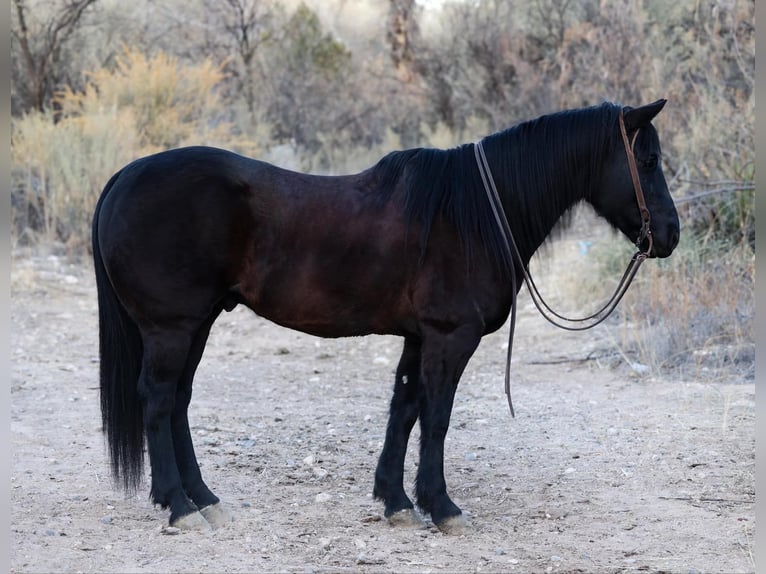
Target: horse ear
<point>641,116</point>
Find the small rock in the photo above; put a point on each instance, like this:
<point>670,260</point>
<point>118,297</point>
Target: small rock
<point>381,360</point>
<point>170,530</point>
<point>319,472</point>
<point>309,460</point>
<point>106,519</point>
<point>323,497</point>
<point>471,456</point>
<point>499,551</point>
<point>359,543</point>
<point>639,368</point>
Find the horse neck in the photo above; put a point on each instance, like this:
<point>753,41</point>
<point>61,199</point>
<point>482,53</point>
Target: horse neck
<point>541,174</point>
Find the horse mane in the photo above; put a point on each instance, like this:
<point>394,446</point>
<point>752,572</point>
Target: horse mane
<point>542,167</point>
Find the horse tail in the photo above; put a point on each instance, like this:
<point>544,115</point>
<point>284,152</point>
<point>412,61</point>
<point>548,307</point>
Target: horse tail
<point>121,351</point>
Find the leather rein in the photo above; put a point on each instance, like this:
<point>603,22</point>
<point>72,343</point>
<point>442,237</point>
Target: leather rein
<point>512,251</point>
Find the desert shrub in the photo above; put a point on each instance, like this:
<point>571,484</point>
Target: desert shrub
<point>139,106</point>
<point>59,169</point>
<point>711,148</point>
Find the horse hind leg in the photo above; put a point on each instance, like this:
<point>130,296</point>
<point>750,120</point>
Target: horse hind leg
<point>164,361</point>
<point>389,475</point>
<point>186,460</point>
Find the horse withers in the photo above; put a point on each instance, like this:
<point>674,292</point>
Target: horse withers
<point>408,247</point>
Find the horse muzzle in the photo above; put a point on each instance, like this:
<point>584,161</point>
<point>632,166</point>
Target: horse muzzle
<point>661,244</point>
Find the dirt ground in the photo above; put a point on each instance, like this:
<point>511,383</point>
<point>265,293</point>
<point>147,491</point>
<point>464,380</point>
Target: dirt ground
<point>602,470</point>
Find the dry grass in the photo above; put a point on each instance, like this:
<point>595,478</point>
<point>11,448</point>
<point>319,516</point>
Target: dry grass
<point>691,314</point>
<point>697,313</point>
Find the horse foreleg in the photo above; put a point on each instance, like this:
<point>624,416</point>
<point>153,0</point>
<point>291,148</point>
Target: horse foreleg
<point>163,364</point>
<point>444,357</point>
<point>389,475</point>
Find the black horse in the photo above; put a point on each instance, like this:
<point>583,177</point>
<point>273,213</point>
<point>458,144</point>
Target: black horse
<point>407,247</point>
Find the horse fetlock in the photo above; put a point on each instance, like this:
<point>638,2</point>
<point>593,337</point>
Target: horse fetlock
<point>441,508</point>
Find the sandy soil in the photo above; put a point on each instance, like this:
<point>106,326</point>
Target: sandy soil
<point>601,471</point>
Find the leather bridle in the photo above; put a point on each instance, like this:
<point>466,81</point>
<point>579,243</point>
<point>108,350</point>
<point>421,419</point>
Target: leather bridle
<point>512,253</point>
<point>646,218</point>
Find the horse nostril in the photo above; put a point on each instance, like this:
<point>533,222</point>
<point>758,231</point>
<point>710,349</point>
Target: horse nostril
<point>674,237</point>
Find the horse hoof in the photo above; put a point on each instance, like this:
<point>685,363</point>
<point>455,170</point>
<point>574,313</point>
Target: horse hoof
<point>193,521</point>
<point>454,525</point>
<point>216,515</point>
<point>407,518</point>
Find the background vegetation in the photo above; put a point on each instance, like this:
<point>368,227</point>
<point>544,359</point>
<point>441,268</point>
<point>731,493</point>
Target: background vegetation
<point>330,86</point>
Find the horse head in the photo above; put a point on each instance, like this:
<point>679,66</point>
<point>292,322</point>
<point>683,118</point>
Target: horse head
<point>617,199</point>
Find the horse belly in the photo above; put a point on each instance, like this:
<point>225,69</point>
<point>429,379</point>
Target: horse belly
<point>331,296</point>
